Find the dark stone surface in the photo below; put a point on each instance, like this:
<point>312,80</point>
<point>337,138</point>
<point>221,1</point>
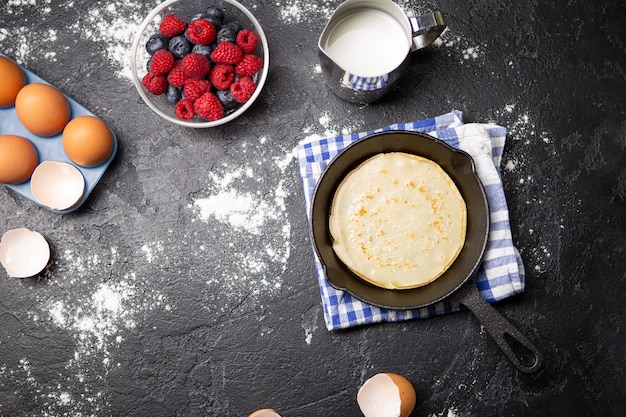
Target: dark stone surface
<point>152,307</point>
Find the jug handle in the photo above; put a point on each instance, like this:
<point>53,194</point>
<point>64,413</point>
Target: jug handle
<point>426,28</point>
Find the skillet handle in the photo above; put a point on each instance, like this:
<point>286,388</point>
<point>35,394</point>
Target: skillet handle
<point>523,353</point>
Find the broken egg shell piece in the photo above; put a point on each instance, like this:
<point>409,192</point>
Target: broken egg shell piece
<point>265,412</point>
<point>386,395</point>
<point>57,185</point>
<point>24,253</point>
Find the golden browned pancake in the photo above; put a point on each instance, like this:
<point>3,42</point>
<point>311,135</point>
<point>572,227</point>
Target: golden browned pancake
<point>398,220</point>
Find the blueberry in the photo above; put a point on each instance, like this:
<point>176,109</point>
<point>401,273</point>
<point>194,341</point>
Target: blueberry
<point>148,64</point>
<point>234,25</point>
<point>179,46</point>
<point>156,42</point>
<point>216,11</point>
<point>203,49</point>
<point>173,94</point>
<point>197,16</point>
<point>226,98</point>
<point>226,34</point>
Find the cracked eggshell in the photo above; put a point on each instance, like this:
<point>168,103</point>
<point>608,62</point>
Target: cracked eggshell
<point>57,185</point>
<point>24,253</point>
<point>265,412</point>
<point>386,395</point>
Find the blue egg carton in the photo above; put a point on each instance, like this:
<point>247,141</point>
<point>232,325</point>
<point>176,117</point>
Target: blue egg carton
<point>50,148</point>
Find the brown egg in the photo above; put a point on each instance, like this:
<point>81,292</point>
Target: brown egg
<point>13,79</point>
<point>42,109</point>
<point>87,141</point>
<point>386,395</point>
<point>265,412</point>
<point>18,159</point>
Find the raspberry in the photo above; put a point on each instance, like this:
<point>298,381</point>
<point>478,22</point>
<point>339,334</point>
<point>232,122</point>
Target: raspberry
<point>249,65</point>
<point>156,84</point>
<point>184,109</point>
<point>227,53</point>
<point>162,62</point>
<point>201,32</point>
<point>196,65</point>
<point>209,107</point>
<point>177,77</point>
<point>243,89</point>
<point>194,88</point>
<point>171,25</point>
<point>222,76</point>
<point>247,41</point>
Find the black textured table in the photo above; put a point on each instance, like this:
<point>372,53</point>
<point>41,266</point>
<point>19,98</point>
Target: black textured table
<point>185,285</point>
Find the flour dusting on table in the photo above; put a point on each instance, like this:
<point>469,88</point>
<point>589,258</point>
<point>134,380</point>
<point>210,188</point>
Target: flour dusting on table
<point>110,26</point>
<point>459,46</point>
<point>520,129</point>
<point>522,133</point>
<point>330,127</point>
<point>245,209</point>
<point>113,26</point>
<point>294,11</point>
<point>450,412</point>
<point>97,316</point>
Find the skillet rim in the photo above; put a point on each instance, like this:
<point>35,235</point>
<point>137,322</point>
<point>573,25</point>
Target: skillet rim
<point>458,164</point>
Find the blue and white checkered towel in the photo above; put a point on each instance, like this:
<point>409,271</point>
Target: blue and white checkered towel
<point>502,272</point>
<point>365,83</point>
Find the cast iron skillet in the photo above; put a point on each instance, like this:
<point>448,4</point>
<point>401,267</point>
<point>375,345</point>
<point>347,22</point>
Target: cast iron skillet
<point>458,282</point>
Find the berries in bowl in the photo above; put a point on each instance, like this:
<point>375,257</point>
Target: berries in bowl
<point>200,63</point>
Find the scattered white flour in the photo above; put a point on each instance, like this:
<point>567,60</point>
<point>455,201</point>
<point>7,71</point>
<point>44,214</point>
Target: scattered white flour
<point>113,26</point>
<point>451,412</point>
<point>520,126</point>
<point>522,132</point>
<point>521,129</point>
<point>96,321</point>
<point>43,7</point>
<point>330,128</point>
<point>110,26</point>
<point>309,324</point>
<point>470,53</point>
<point>457,45</point>
<point>510,164</point>
<point>295,11</point>
<point>253,240</point>
<point>153,251</point>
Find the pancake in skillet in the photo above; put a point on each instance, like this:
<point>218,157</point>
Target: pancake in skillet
<point>398,221</point>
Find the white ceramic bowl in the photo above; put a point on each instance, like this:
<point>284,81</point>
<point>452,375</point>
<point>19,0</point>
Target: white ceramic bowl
<point>185,9</point>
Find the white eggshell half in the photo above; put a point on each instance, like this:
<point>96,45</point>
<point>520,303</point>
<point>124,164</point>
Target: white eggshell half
<point>265,412</point>
<point>379,396</point>
<point>24,253</point>
<point>57,185</point>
